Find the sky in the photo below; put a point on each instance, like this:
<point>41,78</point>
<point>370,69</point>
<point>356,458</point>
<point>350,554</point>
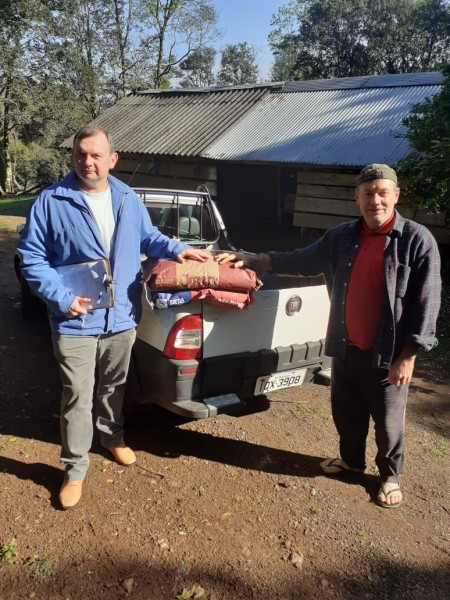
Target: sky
<point>248,21</point>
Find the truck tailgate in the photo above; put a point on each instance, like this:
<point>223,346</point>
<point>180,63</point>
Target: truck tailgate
<point>266,324</point>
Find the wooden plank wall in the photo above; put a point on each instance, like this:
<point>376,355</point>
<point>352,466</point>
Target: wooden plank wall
<point>171,174</point>
<point>324,200</point>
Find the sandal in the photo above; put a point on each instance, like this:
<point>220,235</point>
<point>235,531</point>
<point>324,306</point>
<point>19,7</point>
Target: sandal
<point>386,494</point>
<point>334,466</point>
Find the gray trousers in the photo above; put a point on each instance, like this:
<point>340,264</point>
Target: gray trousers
<point>80,358</point>
<point>358,392</point>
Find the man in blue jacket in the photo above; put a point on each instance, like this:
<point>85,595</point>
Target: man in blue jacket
<point>383,278</point>
<point>87,216</point>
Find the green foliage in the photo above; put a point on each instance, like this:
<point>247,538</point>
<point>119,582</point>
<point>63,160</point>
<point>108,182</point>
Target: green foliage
<point>9,551</point>
<point>283,40</point>
<point>64,62</point>
<point>103,465</point>
<point>361,534</point>
<point>41,566</point>
<point>179,28</point>
<point>238,65</point>
<point>198,68</point>
<point>342,38</point>
<point>425,173</point>
<point>36,166</point>
<point>437,451</point>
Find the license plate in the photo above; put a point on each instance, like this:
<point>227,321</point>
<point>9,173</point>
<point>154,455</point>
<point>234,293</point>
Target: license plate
<point>279,381</point>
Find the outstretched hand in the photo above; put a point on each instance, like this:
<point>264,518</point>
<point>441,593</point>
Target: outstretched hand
<point>194,254</point>
<point>237,258</point>
<point>259,262</point>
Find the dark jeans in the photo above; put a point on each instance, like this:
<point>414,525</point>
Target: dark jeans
<point>360,391</point>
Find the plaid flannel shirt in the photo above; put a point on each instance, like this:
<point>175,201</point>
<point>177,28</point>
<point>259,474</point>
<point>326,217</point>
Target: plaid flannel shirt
<point>413,284</point>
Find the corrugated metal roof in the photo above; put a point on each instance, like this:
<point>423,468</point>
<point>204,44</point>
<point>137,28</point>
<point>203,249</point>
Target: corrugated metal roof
<point>178,123</point>
<point>350,127</point>
<point>214,88</point>
<point>369,81</point>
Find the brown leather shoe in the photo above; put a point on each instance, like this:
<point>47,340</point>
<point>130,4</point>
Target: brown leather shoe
<point>70,494</point>
<point>123,455</point>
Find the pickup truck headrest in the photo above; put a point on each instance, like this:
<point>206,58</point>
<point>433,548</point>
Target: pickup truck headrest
<point>188,226</point>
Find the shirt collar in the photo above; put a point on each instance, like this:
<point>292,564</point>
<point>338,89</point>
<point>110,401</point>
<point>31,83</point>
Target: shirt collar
<point>385,228</point>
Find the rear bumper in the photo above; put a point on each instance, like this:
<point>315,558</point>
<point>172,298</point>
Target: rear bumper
<point>202,388</point>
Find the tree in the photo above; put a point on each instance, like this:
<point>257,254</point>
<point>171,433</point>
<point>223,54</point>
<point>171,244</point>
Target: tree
<point>406,36</point>
<point>34,166</point>
<point>425,173</point>
<point>74,51</point>
<point>343,38</point>
<point>16,83</point>
<point>238,65</point>
<point>332,40</point>
<point>283,40</point>
<point>64,61</point>
<point>178,28</point>
<point>127,67</point>
<point>198,68</point>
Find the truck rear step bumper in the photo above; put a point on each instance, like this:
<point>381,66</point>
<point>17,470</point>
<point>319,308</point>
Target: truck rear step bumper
<point>198,389</point>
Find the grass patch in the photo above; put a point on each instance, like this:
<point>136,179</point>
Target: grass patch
<point>41,566</point>
<point>8,552</point>
<point>440,450</point>
<point>15,206</point>
<point>103,465</point>
<point>302,411</point>
<point>316,511</point>
<point>361,534</point>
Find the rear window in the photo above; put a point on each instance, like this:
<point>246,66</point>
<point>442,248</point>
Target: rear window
<point>186,222</point>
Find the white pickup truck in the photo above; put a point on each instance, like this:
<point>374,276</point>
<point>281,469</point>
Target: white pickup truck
<point>198,360</point>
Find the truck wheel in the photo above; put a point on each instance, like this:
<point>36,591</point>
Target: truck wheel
<point>32,307</point>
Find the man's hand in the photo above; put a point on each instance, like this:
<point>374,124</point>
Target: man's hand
<point>260,262</point>
<point>194,254</point>
<point>79,306</point>
<point>238,258</point>
<point>401,370</point>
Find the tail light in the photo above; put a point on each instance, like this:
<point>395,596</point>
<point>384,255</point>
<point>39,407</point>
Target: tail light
<point>185,338</point>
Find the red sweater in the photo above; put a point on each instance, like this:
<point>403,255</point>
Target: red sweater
<point>367,287</point>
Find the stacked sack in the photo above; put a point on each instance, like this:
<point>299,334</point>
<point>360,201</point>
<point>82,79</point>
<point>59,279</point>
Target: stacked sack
<point>173,283</point>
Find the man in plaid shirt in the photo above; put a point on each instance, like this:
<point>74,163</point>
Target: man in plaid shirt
<point>383,277</point>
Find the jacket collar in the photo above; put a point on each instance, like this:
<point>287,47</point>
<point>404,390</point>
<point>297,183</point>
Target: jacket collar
<point>399,224</point>
<point>69,188</point>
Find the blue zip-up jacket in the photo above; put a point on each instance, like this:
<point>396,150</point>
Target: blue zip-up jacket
<point>61,230</point>
<point>413,284</point>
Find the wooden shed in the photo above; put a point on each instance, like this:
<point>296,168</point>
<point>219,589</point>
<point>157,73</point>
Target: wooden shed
<point>275,156</point>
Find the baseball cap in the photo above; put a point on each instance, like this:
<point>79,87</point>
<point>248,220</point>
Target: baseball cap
<point>375,171</point>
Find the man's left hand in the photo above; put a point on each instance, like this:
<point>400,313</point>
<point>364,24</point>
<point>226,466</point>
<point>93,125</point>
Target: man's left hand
<point>401,371</point>
<point>194,254</point>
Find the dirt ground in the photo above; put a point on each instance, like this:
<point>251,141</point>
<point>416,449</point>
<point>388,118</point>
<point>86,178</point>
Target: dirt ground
<point>225,508</point>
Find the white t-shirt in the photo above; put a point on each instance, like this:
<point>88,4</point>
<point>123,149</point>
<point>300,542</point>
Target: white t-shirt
<point>100,204</point>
